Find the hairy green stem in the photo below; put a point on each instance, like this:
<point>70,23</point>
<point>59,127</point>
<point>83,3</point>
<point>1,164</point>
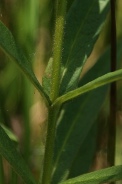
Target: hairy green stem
<point>53,111</point>
<point>48,157</point>
<point>57,48</point>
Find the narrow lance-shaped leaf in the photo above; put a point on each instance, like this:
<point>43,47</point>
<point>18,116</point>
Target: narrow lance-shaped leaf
<point>100,81</point>
<point>110,174</point>
<point>84,158</point>
<point>83,24</point>
<point>9,152</point>
<point>8,45</point>
<point>76,116</point>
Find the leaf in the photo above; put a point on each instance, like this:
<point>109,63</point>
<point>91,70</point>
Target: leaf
<point>10,134</point>
<point>9,152</point>
<point>69,3</point>
<point>110,174</point>
<point>46,80</point>
<point>74,125</point>
<point>83,25</point>
<point>8,45</point>
<point>85,154</point>
<point>76,120</point>
<point>99,82</point>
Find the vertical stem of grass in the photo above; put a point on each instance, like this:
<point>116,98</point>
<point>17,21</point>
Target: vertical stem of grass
<point>113,91</point>
<point>57,47</point>
<point>53,111</point>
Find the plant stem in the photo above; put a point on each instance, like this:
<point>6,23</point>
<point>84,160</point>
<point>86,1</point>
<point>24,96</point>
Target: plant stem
<point>48,157</point>
<point>54,110</point>
<point>113,91</point>
<point>57,48</point>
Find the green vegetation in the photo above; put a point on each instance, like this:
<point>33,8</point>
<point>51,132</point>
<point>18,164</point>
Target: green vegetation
<point>55,92</point>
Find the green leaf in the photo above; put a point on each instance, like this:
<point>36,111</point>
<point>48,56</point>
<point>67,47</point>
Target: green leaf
<point>83,25</point>
<point>46,80</point>
<point>8,45</point>
<point>76,116</point>
<point>100,81</point>
<point>10,134</point>
<point>85,154</point>
<point>110,174</point>
<point>9,152</point>
<point>69,3</point>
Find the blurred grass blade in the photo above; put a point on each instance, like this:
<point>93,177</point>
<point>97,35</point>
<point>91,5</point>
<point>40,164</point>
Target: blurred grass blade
<point>9,152</point>
<point>110,174</point>
<point>83,25</point>
<point>100,81</point>
<point>8,45</point>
